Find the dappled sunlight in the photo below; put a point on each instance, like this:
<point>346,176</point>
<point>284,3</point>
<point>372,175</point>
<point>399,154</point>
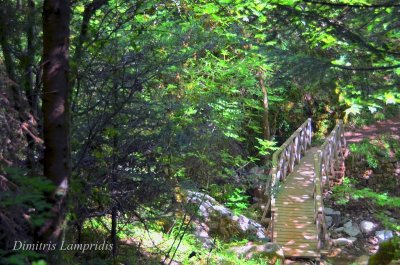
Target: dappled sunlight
<point>391,126</point>
<point>294,228</point>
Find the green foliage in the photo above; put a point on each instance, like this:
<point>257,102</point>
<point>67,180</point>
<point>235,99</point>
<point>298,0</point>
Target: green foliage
<point>169,92</point>
<point>266,147</point>
<point>20,257</point>
<point>237,200</point>
<point>30,194</point>
<point>388,221</point>
<point>342,193</point>
<point>374,151</point>
<point>380,199</point>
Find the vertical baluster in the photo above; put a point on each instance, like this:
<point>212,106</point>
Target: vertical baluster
<point>342,134</point>
<point>292,154</point>
<point>335,145</point>
<point>286,163</point>
<point>298,149</point>
<point>280,171</point>
<point>310,132</point>
<point>331,157</point>
<point>339,143</point>
<point>326,165</point>
<point>283,166</point>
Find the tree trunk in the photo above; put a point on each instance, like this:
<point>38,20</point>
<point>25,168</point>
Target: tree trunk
<point>114,221</point>
<point>28,80</point>
<point>9,60</point>
<point>266,126</point>
<point>113,189</point>
<point>55,108</point>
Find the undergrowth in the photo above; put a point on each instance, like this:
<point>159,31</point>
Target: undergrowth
<point>348,191</point>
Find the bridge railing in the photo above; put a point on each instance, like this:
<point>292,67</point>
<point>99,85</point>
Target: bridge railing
<point>284,161</point>
<point>325,162</point>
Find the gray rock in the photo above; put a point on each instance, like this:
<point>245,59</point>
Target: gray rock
<point>261,234</point>
<point>328,211</point>
<point>348,224</point>
<point>367,227</point>
<point>223,211</point>
<point>383,235</point>
<point>243,223</point>
<point>388,213</point>
<point>343,220</point>
<point>242,250</point>
<point>352,230</point>
<point>328,220</point>
<point>256,250</point>
<point>211,213</point>
<point>341,242</point>
<point>201,233</point>
<point>339,229</point>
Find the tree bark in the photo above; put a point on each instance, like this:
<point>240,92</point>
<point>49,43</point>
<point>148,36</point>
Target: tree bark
<point>55,108</point>
<point>29,80</point>
<point>9,60</point>
<point>114,218</point>
<point>266,126</point>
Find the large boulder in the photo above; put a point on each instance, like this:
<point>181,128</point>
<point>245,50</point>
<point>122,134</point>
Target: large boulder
<point>221,220</point>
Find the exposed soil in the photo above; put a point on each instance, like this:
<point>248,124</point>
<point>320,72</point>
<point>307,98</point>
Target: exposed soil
<point>390,126</point>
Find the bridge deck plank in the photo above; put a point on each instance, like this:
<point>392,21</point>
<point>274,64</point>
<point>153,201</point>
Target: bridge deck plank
<point>294,227</point>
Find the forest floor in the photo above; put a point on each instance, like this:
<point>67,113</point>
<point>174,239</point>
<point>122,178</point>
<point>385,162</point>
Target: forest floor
<point>372,131</point>
<point>358,210</point>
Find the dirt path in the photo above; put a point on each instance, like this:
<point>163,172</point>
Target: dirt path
<point>391,126</point>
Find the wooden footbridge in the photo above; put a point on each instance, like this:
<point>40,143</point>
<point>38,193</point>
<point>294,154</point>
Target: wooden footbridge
<point>299,176</point>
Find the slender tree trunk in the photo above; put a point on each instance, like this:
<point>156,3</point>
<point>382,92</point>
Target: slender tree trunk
<point>28,79</point>
<point>114,218</point>
<point>114,230</point>
<point>266,126</point>
<point>55,108</point>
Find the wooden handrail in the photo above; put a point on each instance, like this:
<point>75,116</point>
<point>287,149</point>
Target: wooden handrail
<point>283,161</point>
<point>332,150</point>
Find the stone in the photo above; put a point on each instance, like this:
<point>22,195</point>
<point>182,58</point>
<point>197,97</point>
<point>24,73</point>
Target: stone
<point>201,233</point>
<point>342,241</point>
<point>222,220</point>
<point>389,213</point>
<point>270,250</point>
<point>243,223</point>
<point>339,229</point>
<point>328,211</point>
<point>352,230</point>
<point>383,235</point>
<point>348,224</point>
<point>367,227</point>
<point>328,220</point>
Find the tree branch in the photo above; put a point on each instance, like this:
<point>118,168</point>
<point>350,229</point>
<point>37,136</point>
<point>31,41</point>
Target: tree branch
<point>378,68</point>
<point>338,29</point>
<point>343,5</point>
